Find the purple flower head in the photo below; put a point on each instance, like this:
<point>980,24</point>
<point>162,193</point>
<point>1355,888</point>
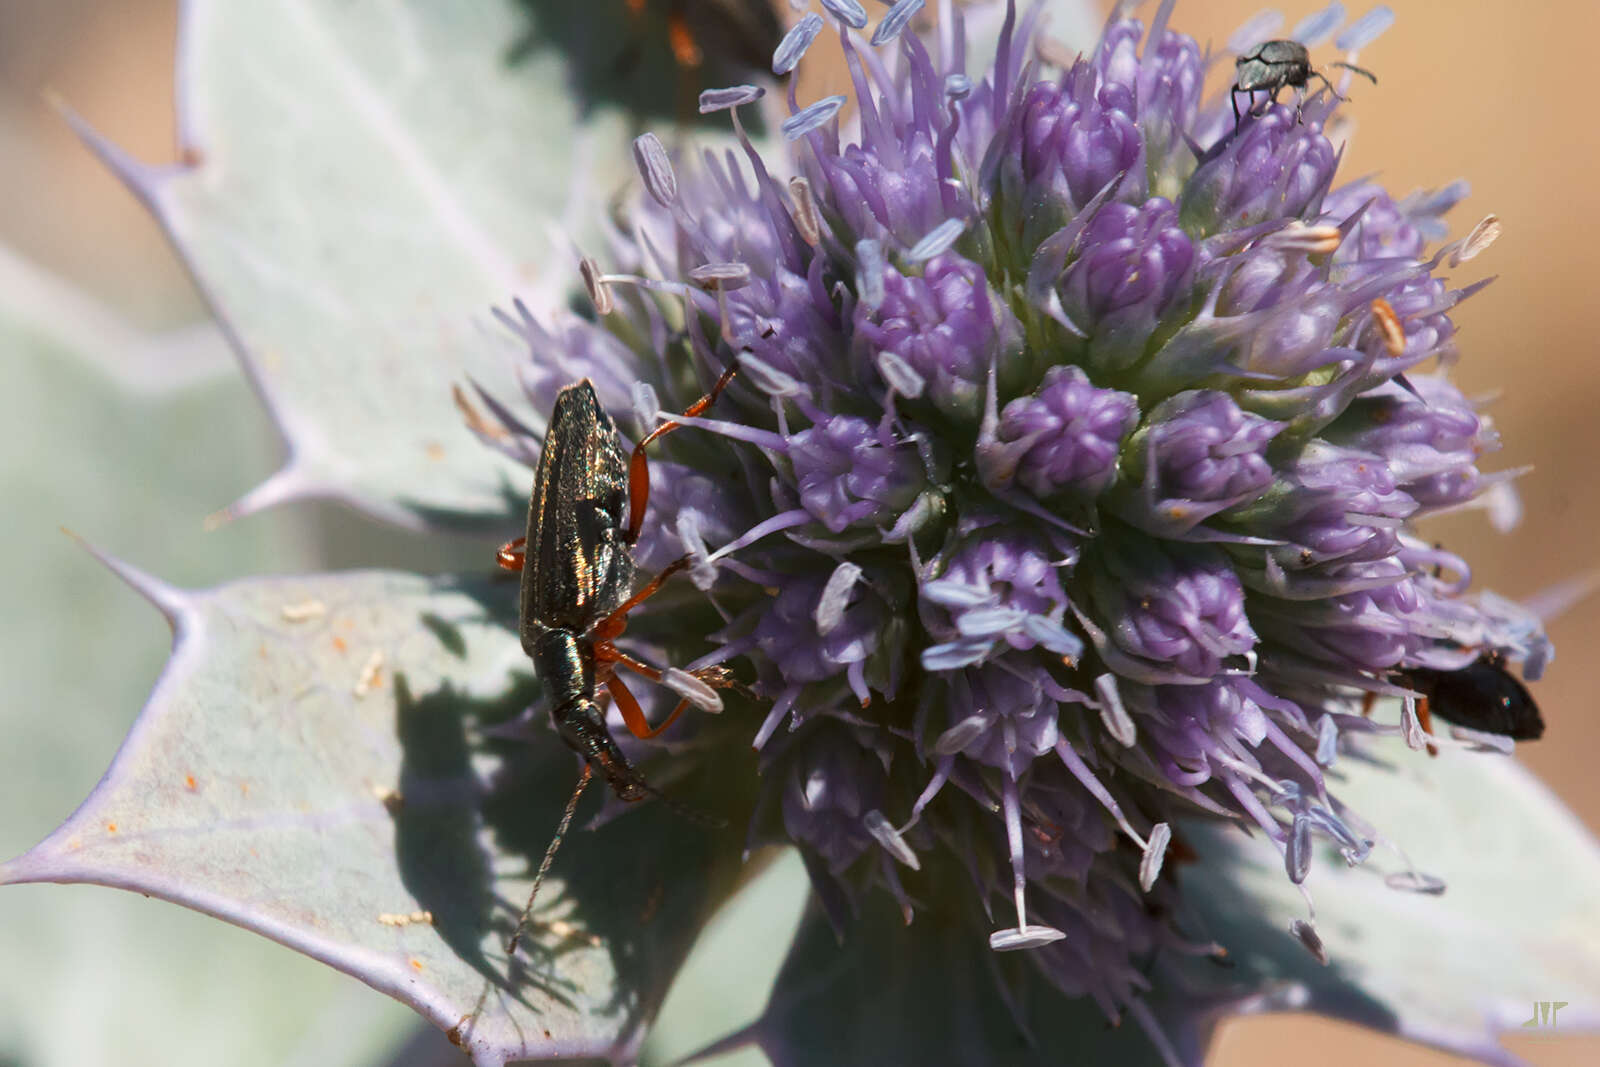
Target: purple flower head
<point>1383,229</point>
<point>1063,438</point>
<point>1168,615</point>
<point>1199,453</point>
<point>1069,146</point>
<point>1368,630</point>
<point>1113,124</point>
<point>1274,167</point>
<point>997,592</point>
<point>1000,718</point>
<point>1430,438</point>
<point>849,472</point>
<point>1341,506</point>
<point>1133,264</point>
<point>1017,571</point>
<point>1189,724</point>
<point>829,784</point>
<point>1159,84</point>
<point>879,196</point>
<point>945,325</point>
<point>805,648</point>
<point>1066,482</point>
<point>1169,102</point>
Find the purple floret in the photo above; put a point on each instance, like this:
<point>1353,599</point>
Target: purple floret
<point>1068,435</point>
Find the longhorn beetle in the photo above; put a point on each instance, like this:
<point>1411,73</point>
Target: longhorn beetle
<point>584,515</point>
<point>1278,65</point>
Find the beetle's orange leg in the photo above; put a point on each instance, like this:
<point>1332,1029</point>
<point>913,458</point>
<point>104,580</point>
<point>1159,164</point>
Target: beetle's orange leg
<point>684,47</point>
<point>608,655</point>
<point>1425,717</point>
<point>633,715</point>
<point>512,554</point>
<point>611,627</point>
<point>716,676</point>
<point>639,465</point>
<point>626,703</point>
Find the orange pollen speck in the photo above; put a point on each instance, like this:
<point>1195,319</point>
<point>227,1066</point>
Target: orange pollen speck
<point>416,964</point>
<point>339,645</point>
<point>1394,335</point>
<point>111,827</point>
<point>189,782</point>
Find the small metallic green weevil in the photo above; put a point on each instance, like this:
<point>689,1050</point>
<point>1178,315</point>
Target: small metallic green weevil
<point>1276,65</point>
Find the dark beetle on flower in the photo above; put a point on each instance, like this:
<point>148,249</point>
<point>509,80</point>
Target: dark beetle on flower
<point>1276,65</point>
<point>584,515</point>
<point>1483,695</point>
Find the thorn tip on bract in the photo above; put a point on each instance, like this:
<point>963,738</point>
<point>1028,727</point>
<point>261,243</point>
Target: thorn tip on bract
<point>171,601</point>
<point>140,178</point>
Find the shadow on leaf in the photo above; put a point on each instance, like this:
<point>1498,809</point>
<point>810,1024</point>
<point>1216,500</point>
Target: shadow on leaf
<point>482,785</point>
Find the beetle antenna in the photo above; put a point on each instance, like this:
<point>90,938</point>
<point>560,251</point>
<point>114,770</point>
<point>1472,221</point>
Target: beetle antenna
<point>1337,95</point>
<point>692,814</point>
<point>1364,72</point>
<point>549,855</point>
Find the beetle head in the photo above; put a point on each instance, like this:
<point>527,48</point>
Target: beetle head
<point>582,726</point>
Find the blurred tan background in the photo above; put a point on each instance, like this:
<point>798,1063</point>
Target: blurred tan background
<point>1493,92</point>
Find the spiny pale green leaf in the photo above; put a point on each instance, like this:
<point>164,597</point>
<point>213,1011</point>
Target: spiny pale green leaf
<point>313,766</point>
<point>1518,923</point>
<point>96,978</point>
<point>361,184</point>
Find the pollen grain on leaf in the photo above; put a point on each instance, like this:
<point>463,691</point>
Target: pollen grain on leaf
<point>371,676</point>
<point>304,611</point>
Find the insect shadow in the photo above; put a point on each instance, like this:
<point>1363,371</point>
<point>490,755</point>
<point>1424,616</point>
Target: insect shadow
<point>636,886</point>
<point>437,822</point>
